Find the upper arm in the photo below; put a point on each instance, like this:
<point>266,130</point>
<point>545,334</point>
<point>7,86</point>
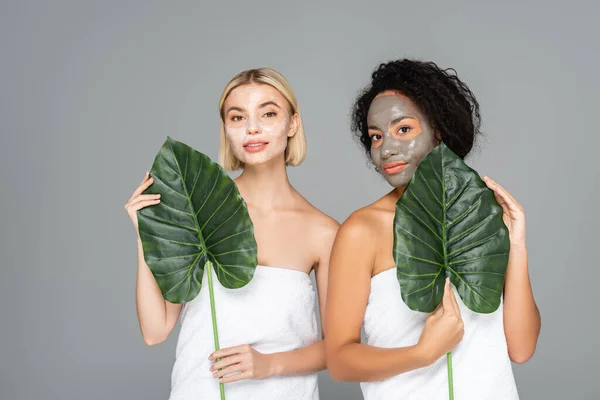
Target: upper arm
<point>324,245</point>
<point>172,311</point>
<point>350,271</point>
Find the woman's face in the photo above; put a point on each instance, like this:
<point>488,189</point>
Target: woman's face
<point>258,123</point>
<point>400,137</point>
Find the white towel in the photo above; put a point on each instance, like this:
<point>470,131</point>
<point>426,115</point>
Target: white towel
<point>481,367</point>
<point>275,312</point>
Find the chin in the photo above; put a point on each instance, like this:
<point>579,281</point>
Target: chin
<point>397,181</point>
<point>256,159</point>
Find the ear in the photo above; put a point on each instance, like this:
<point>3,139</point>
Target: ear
<point>294,125</point>
<point>438,138</point>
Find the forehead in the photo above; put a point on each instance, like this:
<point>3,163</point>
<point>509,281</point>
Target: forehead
<point>252,93</point>
<point>390,105</point>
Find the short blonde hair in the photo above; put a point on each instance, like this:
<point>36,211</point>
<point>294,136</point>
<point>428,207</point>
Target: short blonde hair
<point>295,151</point>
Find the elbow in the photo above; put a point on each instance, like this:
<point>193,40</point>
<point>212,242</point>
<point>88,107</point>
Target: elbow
<point>522,355</point>
<point>522,348</point>
<point>153,340</point>
<point>337,374</point>
<point>336,369</point>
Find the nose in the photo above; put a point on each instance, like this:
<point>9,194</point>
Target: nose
<point>253,128</point>
<point>388,148</point>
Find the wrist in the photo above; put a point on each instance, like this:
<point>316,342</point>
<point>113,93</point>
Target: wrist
<point>517,253</point>
<point>274,366</point>
<point>423,355</point>
<point>518,246</point>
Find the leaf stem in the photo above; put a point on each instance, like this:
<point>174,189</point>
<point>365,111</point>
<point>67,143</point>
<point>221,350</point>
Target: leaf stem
<point>213,313</point>
<point>446,269</point>
<point>450,381</point>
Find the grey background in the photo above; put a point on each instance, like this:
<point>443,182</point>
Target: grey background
<point>89,91</point>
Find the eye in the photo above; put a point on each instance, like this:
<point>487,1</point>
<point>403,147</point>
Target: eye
<point>375,137</point>
<point>404,129</point>
<point>236,118</point>
<point>270,114</point>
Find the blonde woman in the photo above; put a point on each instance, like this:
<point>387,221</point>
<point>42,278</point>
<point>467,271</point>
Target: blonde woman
<point>267,329</point>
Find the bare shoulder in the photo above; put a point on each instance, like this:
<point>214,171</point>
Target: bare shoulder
<point>356,228</point>
<point>325,225</point>
<point>320,224</point>
<point>363,224</point>
<point>355,244</point>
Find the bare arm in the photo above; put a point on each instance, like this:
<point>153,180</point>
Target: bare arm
<point>156,316</point>
<point>351,268</point>
<point>522,321</point>
<point>303,361</point>
<point>349,286</point>
<point>311,358</point>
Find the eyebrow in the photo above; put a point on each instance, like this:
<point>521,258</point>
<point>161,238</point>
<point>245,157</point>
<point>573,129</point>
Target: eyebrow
<point>392,123</point>
<point>269,103</point>
<point>234,108</point>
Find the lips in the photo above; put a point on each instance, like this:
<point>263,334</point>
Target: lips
<point>394,167</point>
<point>255,145</point>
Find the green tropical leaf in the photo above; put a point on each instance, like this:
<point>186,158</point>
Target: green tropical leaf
<point>448,224</point>
<point>200,220</point>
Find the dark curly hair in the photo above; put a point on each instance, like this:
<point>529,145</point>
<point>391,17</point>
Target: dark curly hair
<point>447,102</point>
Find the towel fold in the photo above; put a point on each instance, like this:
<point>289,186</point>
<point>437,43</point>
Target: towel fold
<point>275,312</point>
<point>481,367</point>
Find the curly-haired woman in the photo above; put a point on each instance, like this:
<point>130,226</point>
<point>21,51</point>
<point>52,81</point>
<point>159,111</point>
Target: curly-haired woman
<point>408,109</point>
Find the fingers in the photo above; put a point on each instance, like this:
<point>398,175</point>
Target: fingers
<point>229,351</point>
<point>449,301</point>
<point>448,307</point>
<point>238,367</point>
<point>144,197</point>
<point>142,201</point>
<point>504,191</point>
<point>143,204</point>
<point>439,310</point>
<point>237,377</point>
<point>453,299</point>
<point>226,362</point>
<point>503,196</point>
<point>146,176</point>
<point>145,185</point>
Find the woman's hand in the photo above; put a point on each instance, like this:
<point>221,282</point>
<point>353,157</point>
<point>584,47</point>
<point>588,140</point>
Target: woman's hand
<point>522,320</point>
<point>243,361</point>
<point>137,201</point>
<point>513,216</point>
<point>444,328</point>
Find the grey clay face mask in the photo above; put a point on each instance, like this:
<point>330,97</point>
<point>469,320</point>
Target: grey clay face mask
<point>403,137</point>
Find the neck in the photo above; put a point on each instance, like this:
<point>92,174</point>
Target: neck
<point>265,186</point>
<point>392,197</point>
<point>397,192</point>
